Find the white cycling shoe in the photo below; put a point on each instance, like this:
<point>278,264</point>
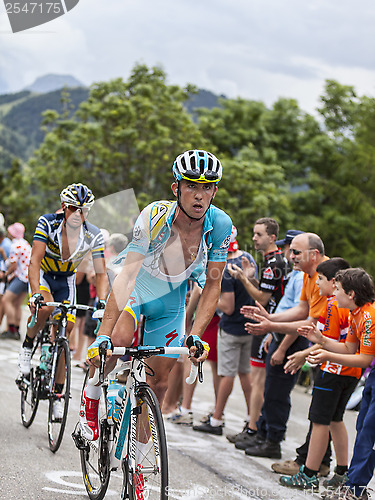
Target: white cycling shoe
<point>58,409</point>
<point>24,360</point>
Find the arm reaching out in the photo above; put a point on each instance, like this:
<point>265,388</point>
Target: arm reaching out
<point>250,312</point>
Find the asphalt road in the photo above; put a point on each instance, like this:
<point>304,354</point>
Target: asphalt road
<point>201,466</point>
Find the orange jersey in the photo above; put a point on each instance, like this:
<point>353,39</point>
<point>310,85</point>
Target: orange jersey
<point>362,328</point>
<point>334,324</point>
<point>310,293</point>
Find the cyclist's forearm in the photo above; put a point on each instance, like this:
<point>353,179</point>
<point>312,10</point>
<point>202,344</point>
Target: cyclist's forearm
<point>206,308</point>
<point>34,277</point>
<point>102,286</point>
<point>111,315</point>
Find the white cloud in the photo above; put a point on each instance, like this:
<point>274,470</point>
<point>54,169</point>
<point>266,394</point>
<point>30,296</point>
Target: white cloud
<point>259,50</point>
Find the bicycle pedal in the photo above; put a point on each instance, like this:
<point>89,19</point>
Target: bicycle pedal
<point>80,443</point>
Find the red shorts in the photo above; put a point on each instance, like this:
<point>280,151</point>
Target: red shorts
<point>210,336</point>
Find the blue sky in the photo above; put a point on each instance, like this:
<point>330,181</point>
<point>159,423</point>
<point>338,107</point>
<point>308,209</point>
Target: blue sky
<point>256,49</point>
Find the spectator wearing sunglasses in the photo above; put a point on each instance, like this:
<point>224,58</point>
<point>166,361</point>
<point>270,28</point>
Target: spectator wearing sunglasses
<point>307,252</point>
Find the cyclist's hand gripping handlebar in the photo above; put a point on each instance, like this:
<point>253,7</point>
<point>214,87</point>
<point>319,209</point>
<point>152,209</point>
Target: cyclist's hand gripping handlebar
<point>102,354</point>
<point>37,300</point>
<point>197,347</point>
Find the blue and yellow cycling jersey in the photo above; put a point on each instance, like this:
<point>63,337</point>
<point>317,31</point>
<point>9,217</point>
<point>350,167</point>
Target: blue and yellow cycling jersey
<point>48,230</point>
<point>153,229</point>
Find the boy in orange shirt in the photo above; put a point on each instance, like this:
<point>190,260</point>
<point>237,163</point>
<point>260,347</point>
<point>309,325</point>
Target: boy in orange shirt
<point>333,386</point>
<point>355,291</point>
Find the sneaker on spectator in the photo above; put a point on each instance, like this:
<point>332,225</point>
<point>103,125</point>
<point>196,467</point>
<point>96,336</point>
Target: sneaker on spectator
<point>89,418</point>
<point>233,438</point>
<point>288,467</point>
<point>24,360</point>
<point>206,418</point>
<point>182,418</point>
<point>291,467</point>
<point>10,335</point>
<point>249,440</point>
<point>58,409</point>
<point>267,449</point>
<point>300,481</point>
<point>335,481</point>
<point>217,430</point>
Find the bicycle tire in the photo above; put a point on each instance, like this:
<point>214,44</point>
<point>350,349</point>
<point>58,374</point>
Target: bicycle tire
<point>30,393</point>
<point>56,426</point>
<point>95,460</point>
<point>150,470</point>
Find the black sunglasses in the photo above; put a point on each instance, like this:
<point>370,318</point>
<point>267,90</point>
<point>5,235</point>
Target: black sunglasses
<point>298,252</point>
<point>194,175</point>
<point>73,208</point>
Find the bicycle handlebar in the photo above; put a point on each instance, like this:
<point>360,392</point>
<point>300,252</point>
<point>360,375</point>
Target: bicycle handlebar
<point>68,307</point>
<point>143,352</point>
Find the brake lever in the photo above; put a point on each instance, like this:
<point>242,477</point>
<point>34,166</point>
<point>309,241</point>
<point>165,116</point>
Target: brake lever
<point>200,372</point>
<point>102,354</point>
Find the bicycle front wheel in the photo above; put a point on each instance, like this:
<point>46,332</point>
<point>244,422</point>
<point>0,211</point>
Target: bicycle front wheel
<point>59,400</point>
<point>29,386</point>
<point>95,456</point>
<point>146,465</point>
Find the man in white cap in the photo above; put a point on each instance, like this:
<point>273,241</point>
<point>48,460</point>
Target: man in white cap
<point>16,270</point>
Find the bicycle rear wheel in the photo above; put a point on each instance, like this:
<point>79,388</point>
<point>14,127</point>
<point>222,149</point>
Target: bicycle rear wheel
<point>56,423</point>
<point>146,465</point>
<point>95,456</point>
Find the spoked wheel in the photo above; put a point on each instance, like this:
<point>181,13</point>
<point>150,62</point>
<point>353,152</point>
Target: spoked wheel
<point>29,386</point>
<point>59,401</point>
<point>146,468</point>
<point>95,457</point>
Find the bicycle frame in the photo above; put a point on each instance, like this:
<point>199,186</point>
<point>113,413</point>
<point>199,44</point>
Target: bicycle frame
<point>118,432</point>
<point>60,333</point>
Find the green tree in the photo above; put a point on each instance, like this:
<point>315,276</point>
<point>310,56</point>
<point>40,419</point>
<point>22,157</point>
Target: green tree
<point>251,189</point>
<point>126,135</point>
<point>338,200</point>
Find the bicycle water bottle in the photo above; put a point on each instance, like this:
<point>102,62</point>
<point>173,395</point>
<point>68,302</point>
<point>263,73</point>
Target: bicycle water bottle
<point>117,406</point>
<point>112,391</point>
<point>45,356</point>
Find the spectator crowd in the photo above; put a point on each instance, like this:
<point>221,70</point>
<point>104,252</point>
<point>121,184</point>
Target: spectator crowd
<point>297,307</point>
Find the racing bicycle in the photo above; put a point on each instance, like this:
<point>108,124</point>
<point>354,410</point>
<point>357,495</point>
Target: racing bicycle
<point>40,383</point>
<point>136,442</point>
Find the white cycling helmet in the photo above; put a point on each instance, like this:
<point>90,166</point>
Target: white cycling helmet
<point>77,195</point>
<point>198,166</point>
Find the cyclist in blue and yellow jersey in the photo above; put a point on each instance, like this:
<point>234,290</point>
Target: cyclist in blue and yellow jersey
<point>60,243</point>
<point>172,243</point>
